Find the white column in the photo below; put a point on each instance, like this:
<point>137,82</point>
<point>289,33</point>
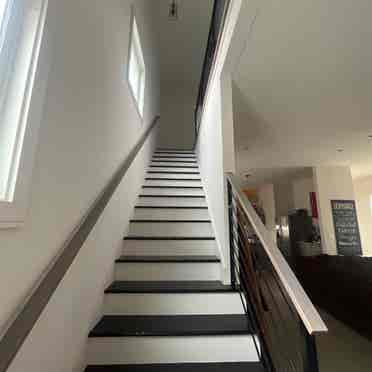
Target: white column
<point>267,200</point>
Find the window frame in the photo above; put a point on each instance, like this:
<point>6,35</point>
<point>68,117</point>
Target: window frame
<point>24,110</point>
<point>135,47</point>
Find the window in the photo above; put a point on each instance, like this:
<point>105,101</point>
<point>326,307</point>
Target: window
<point>21,29</point>
<point>136,68</point>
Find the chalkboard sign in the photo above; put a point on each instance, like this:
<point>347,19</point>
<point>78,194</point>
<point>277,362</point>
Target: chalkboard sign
<point>346,227</point>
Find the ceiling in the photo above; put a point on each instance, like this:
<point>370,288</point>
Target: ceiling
<point>182,42</point>
<point>256,177</point>
<point>302,85</point>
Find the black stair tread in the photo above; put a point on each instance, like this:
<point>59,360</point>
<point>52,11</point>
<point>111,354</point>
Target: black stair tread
<point>181,367</point>
<point>188,157</point>
<point>171,179</point>
<point>168,287</point>
<point>170,221</point>
<point>171,196</point>
<point>171,325</point>
<point>172,259</point>
<point>170,172</point>
<point>173,166</point>
<point>171,187</point>
<point>168,207</point>
<point>141,237</point>
<point>174,151</point>
<point>156,160</point>
<point>171,207</point>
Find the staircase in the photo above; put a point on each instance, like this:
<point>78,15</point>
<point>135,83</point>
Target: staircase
<point>167,309</point>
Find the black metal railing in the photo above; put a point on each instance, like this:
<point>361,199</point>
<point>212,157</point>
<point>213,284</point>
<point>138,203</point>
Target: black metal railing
<point>282,340</point>
<point>215,30</point>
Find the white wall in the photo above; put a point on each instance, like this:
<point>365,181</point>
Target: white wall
<point>363,193</point>
<point>177,107</point>
<point>210,155</point>
<point>331,183</point>
<point>89,125</point>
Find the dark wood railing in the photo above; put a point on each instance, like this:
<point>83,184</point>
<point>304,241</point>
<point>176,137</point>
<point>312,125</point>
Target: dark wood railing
<point>217,22</point>
<point>282,316</point>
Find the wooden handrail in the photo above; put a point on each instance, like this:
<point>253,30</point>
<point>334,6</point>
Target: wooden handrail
<point>23,323</point>
<point>305,308</point>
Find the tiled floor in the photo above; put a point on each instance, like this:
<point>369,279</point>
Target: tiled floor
<point>342,349</point>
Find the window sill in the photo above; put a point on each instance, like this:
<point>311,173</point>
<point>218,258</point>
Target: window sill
<point>11,225</point>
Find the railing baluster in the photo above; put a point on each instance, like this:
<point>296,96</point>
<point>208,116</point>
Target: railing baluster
<point>284,343</point>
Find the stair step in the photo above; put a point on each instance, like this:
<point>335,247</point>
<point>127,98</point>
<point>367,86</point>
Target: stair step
<point>170,229</point>
<point>181,367</point>
<point>174,152</point>
<point>175,171</point>
<point>176,166</point>
<point>174,213</point>
<point>177,325</point>
<point>171,221</point>
<point>165,201</point>
<point>188,349</point>
<point>171,187</point>
<point>170,247</point>
<point>170,238</point>
<point>172,196</point>
<point>172,183</point>
<point>178,163</point>
<point>175,190</point>
<point>173,176</point>
<point>171,298</point>
<point>167,270</point>
<point>168,207</point>
<point>175,158</point>
<point>171,259</point>
<point>168,287</point>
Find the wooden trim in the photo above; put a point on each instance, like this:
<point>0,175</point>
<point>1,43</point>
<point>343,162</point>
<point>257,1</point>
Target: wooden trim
<point>24,322</point>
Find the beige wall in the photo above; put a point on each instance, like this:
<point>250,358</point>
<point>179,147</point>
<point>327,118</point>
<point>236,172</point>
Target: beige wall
<point>89,125</point>
<point>363,193</point>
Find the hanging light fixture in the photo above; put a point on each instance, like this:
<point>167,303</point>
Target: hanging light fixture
<point>173,10</point>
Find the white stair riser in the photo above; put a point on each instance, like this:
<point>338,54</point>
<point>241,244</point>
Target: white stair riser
<point>167,271</point>
<point>169,248</point>
<point>172,304</point>
<point>142,350</point>
<point>174,158</point>
<point>173,163</point>
<point>177,229</point>
<point>176,202</point>
<point>173,175</point>
<point>173,170</point>
<point>172,183</point>
<point>175,153</point>
<point>172,191</point>
<point>171,214</point>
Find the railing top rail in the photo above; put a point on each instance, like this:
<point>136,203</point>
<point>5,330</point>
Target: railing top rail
<point>24,321</point>
<point>305,308</point>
